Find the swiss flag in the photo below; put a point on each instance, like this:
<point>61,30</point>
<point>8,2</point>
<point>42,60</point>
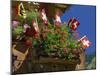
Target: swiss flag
<point>43,16</point>
<point>35,25</point>
<point>73,24</point>
<point>85,42</point>
<point>57,20</point>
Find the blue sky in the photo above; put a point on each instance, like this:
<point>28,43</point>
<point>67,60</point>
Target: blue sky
<point>86,15</point>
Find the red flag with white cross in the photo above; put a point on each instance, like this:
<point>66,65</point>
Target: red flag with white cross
<point>43,16</point>
<point>73,24</point>
<point>35,25</point>
<point>57,19</point>
<point>85,42</point>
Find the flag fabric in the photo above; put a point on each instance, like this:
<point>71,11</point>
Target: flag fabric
<point>32,31</point>
<point>21,10</point>
<point>43,16</point>
<point>35,25</point>
<point>85,42</point>
<point>73,24</point>
<point>57,20</point>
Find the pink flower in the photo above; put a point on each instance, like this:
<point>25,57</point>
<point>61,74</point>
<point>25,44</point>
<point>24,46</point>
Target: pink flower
<point>25,27</point>
<point>15,24</point>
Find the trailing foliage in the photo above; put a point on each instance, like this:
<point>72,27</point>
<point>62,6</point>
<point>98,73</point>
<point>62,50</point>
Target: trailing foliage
<point>51,38</point>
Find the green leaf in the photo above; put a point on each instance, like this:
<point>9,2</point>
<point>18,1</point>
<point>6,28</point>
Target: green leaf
<point>18,30</point>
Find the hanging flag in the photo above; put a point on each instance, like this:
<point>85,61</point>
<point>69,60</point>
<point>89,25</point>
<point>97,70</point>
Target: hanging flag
<point>30,31</point>
<point>44,17</point>
<point>85,42</point>
<point>21,10</point>
<point>35,25</point>
<point>73,24</point>
<point>57,20</point>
